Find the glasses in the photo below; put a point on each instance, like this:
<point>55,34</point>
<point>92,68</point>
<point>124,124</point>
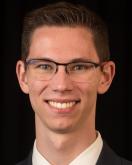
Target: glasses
<point>78,71</point>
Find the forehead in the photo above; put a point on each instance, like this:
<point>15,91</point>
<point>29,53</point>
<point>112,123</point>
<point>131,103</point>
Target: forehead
<point>62,42</point>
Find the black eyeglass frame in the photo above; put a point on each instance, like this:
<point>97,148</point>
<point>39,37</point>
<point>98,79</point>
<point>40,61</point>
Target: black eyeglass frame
<point>32,61</point>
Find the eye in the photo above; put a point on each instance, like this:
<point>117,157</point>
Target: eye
<point>44,67</point>
<point>80,67</point>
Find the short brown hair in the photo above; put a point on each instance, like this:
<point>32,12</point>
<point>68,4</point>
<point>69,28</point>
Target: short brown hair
<point>66,14</point>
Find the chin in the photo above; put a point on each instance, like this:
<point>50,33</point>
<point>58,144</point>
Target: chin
<point>61,128</point>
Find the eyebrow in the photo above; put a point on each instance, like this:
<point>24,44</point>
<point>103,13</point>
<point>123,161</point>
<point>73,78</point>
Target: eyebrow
<point>81,60</point>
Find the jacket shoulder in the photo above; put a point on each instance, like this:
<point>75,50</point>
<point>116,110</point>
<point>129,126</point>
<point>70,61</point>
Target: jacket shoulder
<point>125,162</point>
<point>27,161</point>
<point>109,157</point>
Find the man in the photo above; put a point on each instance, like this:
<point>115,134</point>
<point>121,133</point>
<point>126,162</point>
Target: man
<point>65,64</point>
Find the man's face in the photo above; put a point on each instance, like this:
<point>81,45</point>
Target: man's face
<point>62,45</point>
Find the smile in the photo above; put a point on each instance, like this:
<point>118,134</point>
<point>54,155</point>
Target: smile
<point>64,105</point>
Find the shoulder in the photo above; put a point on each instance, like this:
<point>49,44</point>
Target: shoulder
<point>108,156</point>
<point>27,161</point>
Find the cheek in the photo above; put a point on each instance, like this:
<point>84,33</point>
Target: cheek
<point>89,94</point>
<point>88,88</point>
<point>36,88</point>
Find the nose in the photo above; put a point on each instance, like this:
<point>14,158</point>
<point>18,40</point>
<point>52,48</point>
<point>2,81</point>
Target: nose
<point>61,82</point>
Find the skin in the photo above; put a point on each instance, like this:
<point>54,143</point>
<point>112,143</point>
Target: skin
<point>56,132</point>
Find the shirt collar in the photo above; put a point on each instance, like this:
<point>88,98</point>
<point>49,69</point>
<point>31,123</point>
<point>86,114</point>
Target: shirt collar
<point>88,157</point>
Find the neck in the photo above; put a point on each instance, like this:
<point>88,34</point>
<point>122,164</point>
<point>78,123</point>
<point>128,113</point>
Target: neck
<point>61,149</point>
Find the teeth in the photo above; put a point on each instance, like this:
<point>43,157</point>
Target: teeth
<point>61,105</point>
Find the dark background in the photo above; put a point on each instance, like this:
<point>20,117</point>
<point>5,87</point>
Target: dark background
<point>114,109</point>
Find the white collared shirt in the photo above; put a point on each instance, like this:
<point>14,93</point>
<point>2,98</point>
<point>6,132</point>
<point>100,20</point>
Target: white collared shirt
<point>88,157</point>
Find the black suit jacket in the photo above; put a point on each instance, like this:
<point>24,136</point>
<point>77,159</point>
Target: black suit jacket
<point>107,157</point>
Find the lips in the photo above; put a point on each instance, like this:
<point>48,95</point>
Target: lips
<point>60,105</point>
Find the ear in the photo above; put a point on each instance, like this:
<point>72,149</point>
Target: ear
<point>22,76</point>
<point>107,75</point>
